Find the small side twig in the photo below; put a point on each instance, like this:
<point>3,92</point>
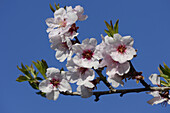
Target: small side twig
<point>133,73</point>
<point>77,40</point>
<point>99,72</point>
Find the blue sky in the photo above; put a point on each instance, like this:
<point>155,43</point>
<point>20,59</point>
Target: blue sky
<point>24,38</point>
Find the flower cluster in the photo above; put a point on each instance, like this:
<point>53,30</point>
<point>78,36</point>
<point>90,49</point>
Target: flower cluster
<point>114,53</point>
<point>62,29</point>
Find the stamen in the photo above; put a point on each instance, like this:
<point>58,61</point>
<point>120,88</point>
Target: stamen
<point>82,70</point>
<point>121,49</point>
<point>55,82</point>
<point>87,54</point>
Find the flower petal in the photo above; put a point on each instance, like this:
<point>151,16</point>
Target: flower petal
<point>64,86</point>
<point>127,40</point>
<point>84,91</point>
<point>155,79</point>
<point>52,72</point>
<point>52,95</point>
<point>45,86</point>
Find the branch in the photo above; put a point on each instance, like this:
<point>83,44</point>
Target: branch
<point>99,72</point>
<point>77,40</point>
<point>137,90</point>
<point>122,91</point>
<point>134,74</point>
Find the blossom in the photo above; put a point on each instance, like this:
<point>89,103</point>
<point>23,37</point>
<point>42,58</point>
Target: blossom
<point>84,91</point>
<point>155,79</point>
<point>62,19</point>
<point>159,97</point>
<point>54,84</point>
<point>115,80</point>
<point>79,11</point>
<point>114,67</point>
<point>85,55</point>
<point>79,74</point>
<point>119,48</point>
<point>63,48</point>
<point>101,48</point>
<point>68,33</point>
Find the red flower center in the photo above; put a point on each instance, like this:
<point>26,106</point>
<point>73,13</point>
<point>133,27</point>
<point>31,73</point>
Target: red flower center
<point>121,49</point>
<point>64,45</point>
<point>55,82</point>
<point>73,28</point>
<point>87,54</point>
<point>82,70</point>
<point>63,23</point>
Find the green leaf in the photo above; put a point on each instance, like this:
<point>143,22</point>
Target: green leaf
<point>111,24</point>
<point>111,30</point>
<point>116,26</point>
<point>41,93</point>
<point>31,70</point>
<point>22,78</point>
<point>41,66</point>
<point>34,85</point>
<point>109,27</point>
<point>64,7</point>
<point>52,9</point>
<point>57,6</point>
<point>39,78</point>
<point>164,76</point>
<point>108,33</point>
<point>164,70</point>
<point>44,64</point>
<point>164,83</point>
<point>25,71</point>
<point>160,71</point>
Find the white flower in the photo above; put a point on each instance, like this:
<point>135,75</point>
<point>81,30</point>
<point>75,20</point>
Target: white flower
<point>155,79</point>
<point>62,19</point>
<point>120,48</point>
<point>62,48</point>
<point>85,56</point>
<point>79,11</point>
<point>72,32</point>
<point>114,67</point>
<point>79,74</point>
<point>54,84</point>
<point>84,91</point>
<point>159,98</point>
<point>68,33</point>
<point>115,79</point>
<point>101,48</point>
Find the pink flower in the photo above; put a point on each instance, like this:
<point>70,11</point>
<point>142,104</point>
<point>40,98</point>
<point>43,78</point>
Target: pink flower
<point>63,48</point>
<point>121,49</point>
<point>62,19</point>
<point>114,67</point>
<point>79,11</point>
<point>85,56</point>
<point>54,84</point>
<point>79,74</point>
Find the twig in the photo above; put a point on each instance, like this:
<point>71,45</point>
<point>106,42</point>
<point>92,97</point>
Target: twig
<point>122,91</point>
<point>135,73</point>
<point>77,40</point>
<point>99,72</point>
